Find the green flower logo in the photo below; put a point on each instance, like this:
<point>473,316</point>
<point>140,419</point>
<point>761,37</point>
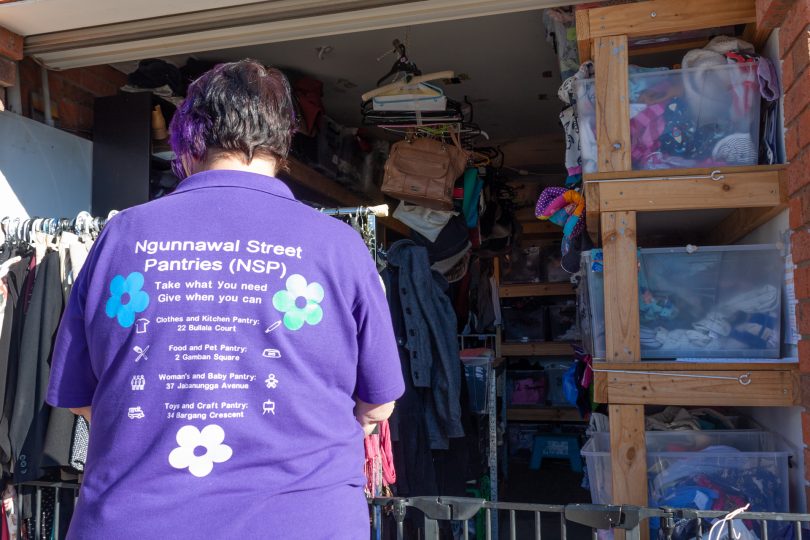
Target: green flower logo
<point>126,298</point>
<point>300,303</point>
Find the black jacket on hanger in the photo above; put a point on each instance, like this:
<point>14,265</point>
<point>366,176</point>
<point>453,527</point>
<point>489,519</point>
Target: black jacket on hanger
<point>30,416</point>
<point>10,343</point>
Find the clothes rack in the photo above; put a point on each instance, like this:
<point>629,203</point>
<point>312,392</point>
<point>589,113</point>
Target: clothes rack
<point>364,220</point>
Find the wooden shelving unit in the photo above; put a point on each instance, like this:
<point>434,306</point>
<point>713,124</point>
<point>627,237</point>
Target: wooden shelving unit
<point>614,197</point>
<point>518,290</point>
<point>538,348</point>
<point>545,414</point>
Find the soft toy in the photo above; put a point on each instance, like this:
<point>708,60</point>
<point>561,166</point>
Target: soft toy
<point>563,207</point>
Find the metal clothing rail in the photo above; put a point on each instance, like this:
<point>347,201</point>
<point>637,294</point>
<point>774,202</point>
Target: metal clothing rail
<point>592,516</point>
<point>17,228</point>
<point>369,229</point>
<point>36,507</point>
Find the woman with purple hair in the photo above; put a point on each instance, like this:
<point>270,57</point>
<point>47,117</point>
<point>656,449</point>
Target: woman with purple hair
<point>232,344</point>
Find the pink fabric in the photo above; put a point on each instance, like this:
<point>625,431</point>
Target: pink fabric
<point>379,466</point>
<point>646,129</point>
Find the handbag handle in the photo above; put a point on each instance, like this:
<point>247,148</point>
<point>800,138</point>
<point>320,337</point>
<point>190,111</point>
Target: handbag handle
<point>457,143</point>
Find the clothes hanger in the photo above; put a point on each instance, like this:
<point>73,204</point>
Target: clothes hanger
<point>401,65</point>
<point>408,81</point>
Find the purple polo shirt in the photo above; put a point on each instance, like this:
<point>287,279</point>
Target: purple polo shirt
<point>220,335</point>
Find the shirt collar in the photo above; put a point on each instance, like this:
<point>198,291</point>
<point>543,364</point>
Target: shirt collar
<point>238,179</point>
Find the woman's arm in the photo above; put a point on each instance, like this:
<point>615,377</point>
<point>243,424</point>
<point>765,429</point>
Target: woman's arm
<point>369,415</point>
<point>82,411</point>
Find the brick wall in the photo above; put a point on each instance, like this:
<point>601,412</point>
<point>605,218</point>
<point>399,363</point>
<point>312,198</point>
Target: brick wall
<point>72,93</point>
<point>793,19</point>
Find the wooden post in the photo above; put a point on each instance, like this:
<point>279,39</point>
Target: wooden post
<point>612,104</point>
<point>618,230</point>
<point>621,287</point>
<point>628,455</point>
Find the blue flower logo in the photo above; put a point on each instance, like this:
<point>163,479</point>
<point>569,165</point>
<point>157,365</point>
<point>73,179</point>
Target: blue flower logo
<point>126,298</point>
<point>300,303</point>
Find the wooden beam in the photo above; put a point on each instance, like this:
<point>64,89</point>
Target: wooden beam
<point>741,223</point>
<point>756,35</point>
<point>674,366</point>
<point>667,46</point>
<point>658,17</point>
<point>535,289</point>
<point>541,228</point>
<point>539,348</point>
<point>583,34</point>
<point>544,152</point>
<point>775,388</point>
<point>612,104</point>
<point>308,178</point>
<point>11,45</point>
<point>741,187</point>
<point>744,221</point>
<point>592,220</point>
<point>600,393</point>
<point>621,287</point>
<point>543,414</point>
<point>628,452</point>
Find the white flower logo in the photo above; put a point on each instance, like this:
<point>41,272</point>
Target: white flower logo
<point>199,450</point>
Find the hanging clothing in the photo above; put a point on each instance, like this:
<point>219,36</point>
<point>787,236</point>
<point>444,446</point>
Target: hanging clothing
<point>10,342</point>
<point>429,323</point>
<point>30,414</point>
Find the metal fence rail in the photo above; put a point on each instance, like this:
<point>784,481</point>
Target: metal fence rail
<point>631,519</point>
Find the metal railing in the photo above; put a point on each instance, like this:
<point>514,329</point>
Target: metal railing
<point>524,521</point>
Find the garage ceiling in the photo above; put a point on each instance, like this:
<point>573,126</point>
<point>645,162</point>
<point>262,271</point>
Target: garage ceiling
<point>63,34</point>
<point>510,70</point>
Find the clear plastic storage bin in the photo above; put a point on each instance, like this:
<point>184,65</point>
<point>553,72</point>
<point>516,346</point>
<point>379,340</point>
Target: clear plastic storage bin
<point>716,302</point>
<point>703,469</point>
<point>476,373</point>
<point>556,393</point>
<point>563,322</point>
<point>696,117</point>
<point>524,320</point>
<point>523,266</point>
<point>526,388</point>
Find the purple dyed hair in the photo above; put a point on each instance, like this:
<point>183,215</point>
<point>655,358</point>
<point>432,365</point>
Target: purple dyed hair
<point>239,108</point>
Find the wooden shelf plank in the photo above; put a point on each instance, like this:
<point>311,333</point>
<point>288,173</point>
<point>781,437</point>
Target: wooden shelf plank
<point>742,187</point>
<point>543,414</point>
<point>710,388</point>
<point>658,17</point>
<point>663,365</point>
<point>517,290</point>
<point>541,228</point>
<point>540,348</point>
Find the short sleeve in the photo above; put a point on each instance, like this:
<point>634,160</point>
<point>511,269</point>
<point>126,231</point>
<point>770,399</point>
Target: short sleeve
<point>379,372</point>
<point>73,382</point>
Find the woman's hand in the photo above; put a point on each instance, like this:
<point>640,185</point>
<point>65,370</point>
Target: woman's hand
<point>369,415</point>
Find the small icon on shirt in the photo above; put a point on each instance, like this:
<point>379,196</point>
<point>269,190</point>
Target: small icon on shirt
<point>269,407</point>
<point>135,413</point>
<point>138,382</point>
<point>140,326</point>
<point>271,353</point>
<point>272,327</point>
<point>141,352</point>
<point>271,381</point>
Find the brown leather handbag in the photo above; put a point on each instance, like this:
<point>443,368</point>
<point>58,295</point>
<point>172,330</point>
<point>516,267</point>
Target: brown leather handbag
<point>423,171</point>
